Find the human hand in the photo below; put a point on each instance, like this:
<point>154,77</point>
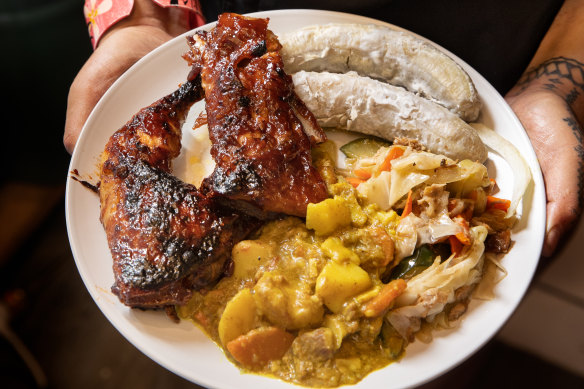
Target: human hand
<point>544,107</point>
<point>123,45</point>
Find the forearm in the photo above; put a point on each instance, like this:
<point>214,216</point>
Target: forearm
<point>147,13</point>
<point>558,64</point>
<point>549,101</point>
<point>565,36</point>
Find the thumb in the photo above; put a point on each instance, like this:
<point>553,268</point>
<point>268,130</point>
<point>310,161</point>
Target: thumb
<point>560,220</point>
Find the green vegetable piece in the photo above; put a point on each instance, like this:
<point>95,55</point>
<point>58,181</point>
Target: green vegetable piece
<point>409,267</point>
<point>392,341</point>
<point>363,147</point>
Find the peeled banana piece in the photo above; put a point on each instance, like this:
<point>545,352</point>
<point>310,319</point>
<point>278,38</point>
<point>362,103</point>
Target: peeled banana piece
<point>361,104</point>
<point>396,57</point>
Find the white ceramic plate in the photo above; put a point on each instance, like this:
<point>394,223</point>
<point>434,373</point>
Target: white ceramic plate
<point>183,348</point>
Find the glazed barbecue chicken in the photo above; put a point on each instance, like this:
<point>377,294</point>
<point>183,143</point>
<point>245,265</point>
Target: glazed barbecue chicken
<point>165,236</point>
<point>261,132</point>
<point>168,237</point>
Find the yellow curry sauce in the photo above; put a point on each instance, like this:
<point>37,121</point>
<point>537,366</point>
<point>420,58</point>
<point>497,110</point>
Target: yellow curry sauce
<point>281,268</point>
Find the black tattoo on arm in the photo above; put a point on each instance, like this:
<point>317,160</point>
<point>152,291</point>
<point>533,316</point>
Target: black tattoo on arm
<point>565,73</point>
<point>572,96</point>
<point>557,71</point>
<point>579,149</point>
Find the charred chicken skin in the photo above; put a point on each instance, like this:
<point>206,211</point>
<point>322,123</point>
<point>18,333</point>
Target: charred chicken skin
<point>165,236</point>
<point>168,237</point>
<point>261,132</point>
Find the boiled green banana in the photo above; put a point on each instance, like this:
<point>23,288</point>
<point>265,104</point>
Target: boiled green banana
<point>396,57</point>
<point>368,106</point>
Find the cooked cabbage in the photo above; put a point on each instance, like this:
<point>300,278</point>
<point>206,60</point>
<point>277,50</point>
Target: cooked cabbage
<point>415,168</point>
<point>428,292</point>
<point>505,149</point>
<point>376,190</point>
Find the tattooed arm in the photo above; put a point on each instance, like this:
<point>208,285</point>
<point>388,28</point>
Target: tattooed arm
<point>549,101</point>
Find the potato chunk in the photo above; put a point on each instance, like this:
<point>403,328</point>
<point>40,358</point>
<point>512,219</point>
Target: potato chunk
<point>239,316</point>
<point>286,302</point>
<point>336,283</point>
<point>248,255</point>
<point>328,215</point>
<point>333,247</point>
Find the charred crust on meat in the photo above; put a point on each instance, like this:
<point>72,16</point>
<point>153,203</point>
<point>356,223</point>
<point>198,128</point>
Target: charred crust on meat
<point>175,256</point>
<point>156,213</point>
<point>180,259</point>
<point>120,171</point>
<point>254,118</point>
<point>243,178</point>
<point>165,236</point>
<point>141,147</point>
<point>189,91</point>
<point>259,49</point>
<point>152,202</point>
<point>244,101</point>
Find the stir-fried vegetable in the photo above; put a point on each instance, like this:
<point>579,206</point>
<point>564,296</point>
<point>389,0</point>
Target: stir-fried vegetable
<point>392,154</point>
<point>520,168</point>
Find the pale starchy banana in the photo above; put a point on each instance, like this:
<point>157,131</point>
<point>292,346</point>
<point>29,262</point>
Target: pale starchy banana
<point>362,104</point>
<point>393,56</point>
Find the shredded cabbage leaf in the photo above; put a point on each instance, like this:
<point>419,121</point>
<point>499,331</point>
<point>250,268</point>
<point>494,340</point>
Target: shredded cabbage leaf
<point>428,292</point>
<point>505,149</point>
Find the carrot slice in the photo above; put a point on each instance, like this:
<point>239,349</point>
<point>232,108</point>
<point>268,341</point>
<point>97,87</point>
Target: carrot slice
<point>379,304</point>
<point>464,235</point>
<point>394,152</point>
<point>497,203</point>
<point>259,346</point>
<point>458,241</point>
<point>354,181</point>
<point>408,207</point>
<point>362,173</point>
<point>455,245</point>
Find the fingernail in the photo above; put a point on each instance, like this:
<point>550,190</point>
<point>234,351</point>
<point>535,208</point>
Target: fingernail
<point>551,241</point>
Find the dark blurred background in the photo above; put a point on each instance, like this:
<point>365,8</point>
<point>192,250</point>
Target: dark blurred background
<point>52,333</point>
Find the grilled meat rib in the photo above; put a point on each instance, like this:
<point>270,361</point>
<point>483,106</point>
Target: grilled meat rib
<point>261,132</point>
<point>165,236</point>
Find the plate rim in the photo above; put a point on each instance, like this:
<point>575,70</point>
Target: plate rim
<point>135,340</point>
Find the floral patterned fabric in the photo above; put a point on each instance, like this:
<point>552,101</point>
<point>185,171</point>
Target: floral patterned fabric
<point>102,14</point>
